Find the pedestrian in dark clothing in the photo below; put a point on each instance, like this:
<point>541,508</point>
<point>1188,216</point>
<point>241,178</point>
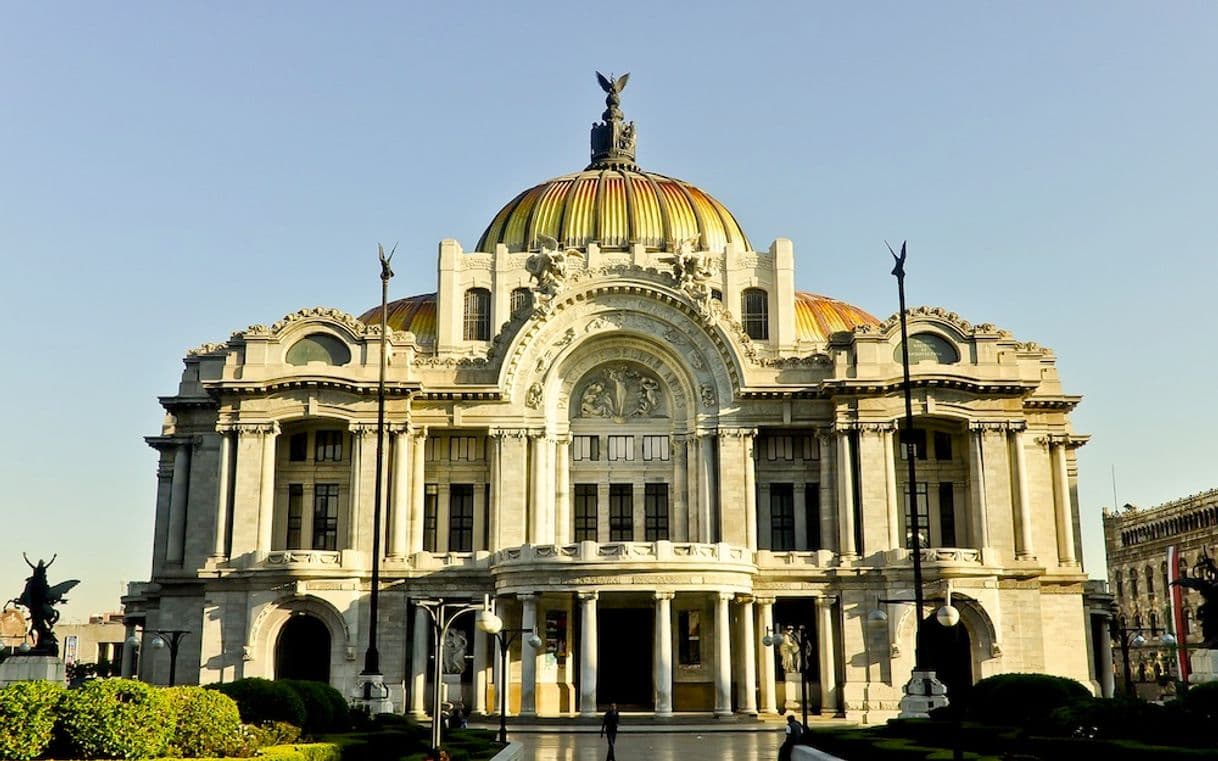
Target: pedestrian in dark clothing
<point>794,732</point>
<point>609,729</point>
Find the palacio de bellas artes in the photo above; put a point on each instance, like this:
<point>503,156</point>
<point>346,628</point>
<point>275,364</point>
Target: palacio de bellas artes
<point>618,423</point>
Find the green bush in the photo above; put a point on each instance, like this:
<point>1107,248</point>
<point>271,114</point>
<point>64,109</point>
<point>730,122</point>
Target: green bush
<point>261,700</point>
<point>207,723</point>
<point>115,718</point>
<point>325,708</point>
<point>27,718</point>
<point>1201,700</point>
<point>307,752</point>
<point>1020,699</point>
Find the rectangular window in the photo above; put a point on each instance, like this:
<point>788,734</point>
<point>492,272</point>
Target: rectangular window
<point>621,447</point>
<point>431,500</point>
<point>810,446</point>
<point>923,518</point>
<point>325,516</point>
<point>522,299</point>
<point>585,448</point>
<point>782,516</point>
<point>298,447</point>
<point>477,315</point>
<point>812,515</point>
<point>621,512</point>
<point>295,515</point>
<point>918,439</point>
<point>585,512</point>
<point>689,622</point>
<point>947,514</point>
<point>655,448</point>
<point>329,446</point>
<point>464,448</point>
<point>780,448</point>
<point>755,314</point>
<point>655,511</point>
<point>943,445</point>
<point>461,518</point>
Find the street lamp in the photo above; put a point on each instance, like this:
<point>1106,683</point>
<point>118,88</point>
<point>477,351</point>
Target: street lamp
<point>803,639</point>
<point>1127,636</point>
<point>493,624</point>
<point>443,614</point>
<point>162,638</point>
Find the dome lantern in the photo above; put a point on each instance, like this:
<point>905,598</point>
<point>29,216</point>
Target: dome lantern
<point>613,140</point>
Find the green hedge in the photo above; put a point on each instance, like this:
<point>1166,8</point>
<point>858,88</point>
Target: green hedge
<point>115,718</point>
<point>207,723</point>
<point>261,700</point>
<point>325,708</point>
<point>1018,699</point>
<point>27,718</point>
<point>303,752</point>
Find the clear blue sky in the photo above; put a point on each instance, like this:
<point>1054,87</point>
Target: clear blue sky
<point>171,172</point>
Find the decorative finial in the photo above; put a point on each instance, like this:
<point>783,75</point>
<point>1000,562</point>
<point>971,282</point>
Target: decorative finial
<point>613,141</point>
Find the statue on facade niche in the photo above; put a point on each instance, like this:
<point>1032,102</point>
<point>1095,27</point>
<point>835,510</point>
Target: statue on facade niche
<point>1205,581</point>
<point>788,648</point>
<point>548,267</point>
<point>40,599</point>
<point>690,270</point>
<point>454,652</point>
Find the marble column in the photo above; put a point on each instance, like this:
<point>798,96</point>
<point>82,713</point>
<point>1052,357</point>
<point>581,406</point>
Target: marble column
<point>224,471</point>
<point>707,525</point>
<point>528,655</point>
<point>827,651</point>
<point>587,654</point>
<point>127,667</point>
<point>723,655</point>
<point>895,518</point>
<point>663,654</point>
<point>1026,549</point>
<point>765,656</point>
<point>418,663</point>
<point>693,488</point>
<point>828,518</point>
<point>562,490</point>
<point>845,495</point>
<point>399,515</point>
<point>976,478</point>
<point>179,494</point>
<point>266,490</point>
<point>748,649</point>
<point>680,498</point>
<point>750,491</point>
<point>1061,496</point>
<point>481,643</point>
<point>418,488</point>
<point>537,487</point>
<point>1107,678</point>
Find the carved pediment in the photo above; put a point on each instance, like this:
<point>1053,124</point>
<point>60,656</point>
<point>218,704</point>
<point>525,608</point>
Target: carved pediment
<point>620,392</point>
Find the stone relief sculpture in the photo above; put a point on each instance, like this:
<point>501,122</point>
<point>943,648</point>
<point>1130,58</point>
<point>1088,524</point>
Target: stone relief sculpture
<point>548,268</point>
<point>620,392</point>
<point>40,598</point>
<point>691,272</point>
<point>708,395</point>
<point>789,650</point>
<point>533,400</point>
<point>454,652</point>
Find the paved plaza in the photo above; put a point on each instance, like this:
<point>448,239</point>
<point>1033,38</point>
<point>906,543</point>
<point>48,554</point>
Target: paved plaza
<point>654,746</point>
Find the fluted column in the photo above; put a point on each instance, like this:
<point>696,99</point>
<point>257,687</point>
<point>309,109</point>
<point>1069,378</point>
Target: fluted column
<point>418,663</point>
<point>765,656</point>
<point>418,485</point>
<point>224,468</point>
<point>1061,496</point>
<point>528,656</point>
<point>845,495</point>
<point>748,648</point>
<point>723,655</point>
<point>890,486</point>
<point>562,490</point>
<point>707,528</point>
<point>494,444</point>
<point>179,494</point>
<point>481,643</point>
<point>827,651</point>
<point>828,520</point>
<point>587,654</point>
<point>399,516</point>
<point>266,490</point>
<point>663,654</point>
<point>1026,549</point>
<point>750,490</point>
<point>680,500</point>
<point>976,473</point>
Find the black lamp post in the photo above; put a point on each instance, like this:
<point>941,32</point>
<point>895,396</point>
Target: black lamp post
<point>804,639</point>
<point>505,638</point>
<point>443,614</point>
<point>170,638</point>
<point>1126,636</point>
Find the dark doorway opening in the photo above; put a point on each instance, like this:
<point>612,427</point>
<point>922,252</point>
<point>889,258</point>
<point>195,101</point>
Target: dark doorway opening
<point>947,650</point>
<point>302,650</point>
<point>624,658</point>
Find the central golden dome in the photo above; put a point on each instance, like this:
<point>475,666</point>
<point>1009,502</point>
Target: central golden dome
<point>613,203</point>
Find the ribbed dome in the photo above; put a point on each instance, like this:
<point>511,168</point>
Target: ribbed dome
<point>414,313</point>
<point>614,207</point>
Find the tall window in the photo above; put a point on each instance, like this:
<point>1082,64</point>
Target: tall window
<point>689,623</point>
<point>621,512</point>
<point>943,445</point>
<point>947,515</point>
<point>621,447</point>
<point>461,518</point>
<point>917,438</point>
<point>755,313</point>
<point>923,527</point>
<point>431,499</point>
<point>1133,583</point>
<point>655,448</point>
<point>298,447</point>
<point>812,515</point>
<point>585,448</point>
<point>585,512</point>
<point>655,512</point>
<point>782,516</point>
<point>325,516</point>
<point>329,446</point>
<point>477,314</point>
<point>522,299</point>
<point>295,514</point>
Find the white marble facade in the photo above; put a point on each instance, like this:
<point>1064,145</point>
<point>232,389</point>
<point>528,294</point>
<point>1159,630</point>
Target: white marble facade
<point>632,467</point>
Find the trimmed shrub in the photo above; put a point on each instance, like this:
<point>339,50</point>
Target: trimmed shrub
<point>1201,700</point>
<point>27,718</point>
<point>261,700</point>
<point>1018,699</point>
<point>309,752</point>
<point>115,718</point>
<point>208,723</point>
<point>325,708</point>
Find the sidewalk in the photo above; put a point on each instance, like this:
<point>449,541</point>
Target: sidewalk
<point>696,723</point>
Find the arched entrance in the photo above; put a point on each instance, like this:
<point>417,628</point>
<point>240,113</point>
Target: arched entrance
<point>302,649</point>
<point>947,650</point>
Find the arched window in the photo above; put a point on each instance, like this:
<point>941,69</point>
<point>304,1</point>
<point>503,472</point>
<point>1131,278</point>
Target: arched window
<point>318,347</point>
<point>477,314</point>
<point>1120,588</point>
<point>755,313</point>
<point>928,347</point>
<point>1150,581</point>
<point>522,300</point>
<point>1133,583</point>
<point>1154,623</point>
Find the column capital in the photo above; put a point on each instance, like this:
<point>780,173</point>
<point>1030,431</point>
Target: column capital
<point>877,428</point>
<point>362,428</point>
<point>526,596</point>
<point>745,599</point>
<point>664,595</point>
<point>725,596</point>
<point>588,595</point>
<point>824,601</point>
<point>251,427</point>
<point>764,599</point>
<point>737,433</point>
<point>509,433</point>
<point>996,426</point>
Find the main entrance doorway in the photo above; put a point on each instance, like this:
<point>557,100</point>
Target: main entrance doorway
<point>624,658</point>
<point>302,650</point>
<point>947,650</point>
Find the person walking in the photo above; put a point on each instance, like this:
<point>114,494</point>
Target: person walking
<point>794,733</point>
<point>609,728</point>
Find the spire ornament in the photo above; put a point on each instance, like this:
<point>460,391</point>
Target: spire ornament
<point>613,140</point>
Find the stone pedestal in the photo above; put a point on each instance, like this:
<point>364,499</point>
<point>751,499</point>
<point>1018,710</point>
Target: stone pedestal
<point>923,693</point>
<point>1203,666</point>
<point>371,693</point>
<point>32,668</point>
<point>792,692</point>
<point>452,694</point>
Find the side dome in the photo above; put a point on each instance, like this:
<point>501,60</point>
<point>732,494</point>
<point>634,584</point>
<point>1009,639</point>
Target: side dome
<point>416,314</point>
<point>818,317</point>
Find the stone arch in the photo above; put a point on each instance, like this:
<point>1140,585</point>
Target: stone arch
<point>265,629</point>
<point>983,634</point>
